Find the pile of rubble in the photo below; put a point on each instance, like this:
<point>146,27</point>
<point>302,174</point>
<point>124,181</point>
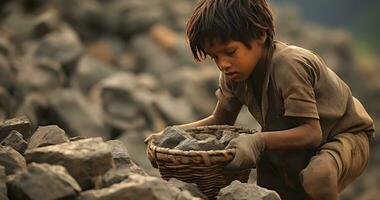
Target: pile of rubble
<point>122,69</point>
<point>48,164</point>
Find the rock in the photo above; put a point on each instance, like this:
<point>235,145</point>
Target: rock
<point>242,191</point>
<point>202,136</point>
<point>117,175</point>
<point>125,104</point>
<point>47,135</point>
<point>171,137</point>
<point>63,46</point>
<point>136,16</point>
<point>119,153</point>
<point>210,144</point>
<point>34,106</point>
<point>188,144</point>
<point>7,79</point>
<point>154,60</point>
<point>21,124</point>
<point>84,159</point>
<point>43,181</point>
<point>16,141</point>
<point>12,160</point>
<point>47,75</point>
<point>138,187</point>
<point>3,186</point>
<point>90,71</point>
<point>77,116</point>
<point>47,22</point>
<point>191,187</point>
<point>169,106</point>
<point>133,140</point>
<point>228,136</point>
<point>7,103</point>
<point>6,47</point>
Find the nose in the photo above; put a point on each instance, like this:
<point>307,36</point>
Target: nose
<point>223,64</point>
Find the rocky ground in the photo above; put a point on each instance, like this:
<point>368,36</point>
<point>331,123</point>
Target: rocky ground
<point>116,71</point>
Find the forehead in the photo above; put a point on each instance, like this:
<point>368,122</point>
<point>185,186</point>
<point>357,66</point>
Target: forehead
<point>217,46</point>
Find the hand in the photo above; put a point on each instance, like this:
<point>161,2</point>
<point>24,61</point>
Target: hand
<point>152,136</point>
<point>248,149</point>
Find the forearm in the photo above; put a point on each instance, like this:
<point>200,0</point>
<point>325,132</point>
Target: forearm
<point>304,136</point>
<point>210,120</point>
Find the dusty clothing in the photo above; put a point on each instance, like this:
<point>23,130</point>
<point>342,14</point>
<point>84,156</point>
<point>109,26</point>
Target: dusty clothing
<point>297,83</point>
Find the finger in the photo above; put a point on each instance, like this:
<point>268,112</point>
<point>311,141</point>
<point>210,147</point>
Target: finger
<point>234,164</point>
<point>231,144</point>
<point>147,139</point>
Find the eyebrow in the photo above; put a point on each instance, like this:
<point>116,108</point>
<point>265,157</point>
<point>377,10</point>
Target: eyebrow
<point>221,49</point>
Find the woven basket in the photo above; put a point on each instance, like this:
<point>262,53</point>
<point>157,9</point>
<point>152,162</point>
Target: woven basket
<point>204,168</point>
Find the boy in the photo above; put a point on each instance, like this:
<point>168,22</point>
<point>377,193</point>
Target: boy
<point>315,134</point>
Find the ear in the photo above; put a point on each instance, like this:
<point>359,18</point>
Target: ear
<point>263,37</point>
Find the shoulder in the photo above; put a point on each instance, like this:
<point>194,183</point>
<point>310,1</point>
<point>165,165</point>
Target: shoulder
<point>289,59</point>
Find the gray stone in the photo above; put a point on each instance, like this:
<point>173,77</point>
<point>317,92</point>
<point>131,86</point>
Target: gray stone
<point>7,103</point>
<point>228,136</point>
<point>243,191</point>
<point>90,71</point>
<point>3,186</point>
<point>43,181</point>
<point>47,75</point>
<point>124,103</point>
<point>21,124</point>
<point>154,60</point>
<point>7,79</point>
<point>84,159</point>
<point>6,47</point>
<point>12,160</point>
<point>47,135</point>
<point>191,187</point>
<point>119,153</point>
<point>171,137</point>
<point>174,110</point>
<point>16,141</point>
<point>117,175</point>
<point>138,187</point>
<point>202,136</point>
<point>47,22</point>
<point>210,144</point>
<point>75,114</point>
<point>137,16</point>
<point>33,105</point>
<point>63,46</point>
<point>188,144</point>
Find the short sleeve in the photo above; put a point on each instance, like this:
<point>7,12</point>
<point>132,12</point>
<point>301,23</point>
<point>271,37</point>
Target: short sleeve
<point>225,95</point>
<point>295,79</point>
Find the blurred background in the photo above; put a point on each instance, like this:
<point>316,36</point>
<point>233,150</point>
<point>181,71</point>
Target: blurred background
<point>121,69</point>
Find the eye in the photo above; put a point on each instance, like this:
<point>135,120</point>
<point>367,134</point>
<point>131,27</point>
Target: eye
<point>230,52</point>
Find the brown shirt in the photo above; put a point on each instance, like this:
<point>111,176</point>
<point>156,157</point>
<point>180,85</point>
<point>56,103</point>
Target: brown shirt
<point>297,83</point>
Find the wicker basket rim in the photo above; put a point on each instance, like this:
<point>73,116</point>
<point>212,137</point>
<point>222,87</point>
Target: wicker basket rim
<point>153,147</point>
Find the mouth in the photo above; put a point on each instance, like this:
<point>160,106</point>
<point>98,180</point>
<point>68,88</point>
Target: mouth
<point>231,74</point>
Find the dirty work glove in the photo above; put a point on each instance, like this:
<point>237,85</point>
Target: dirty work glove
<point>248,149</point>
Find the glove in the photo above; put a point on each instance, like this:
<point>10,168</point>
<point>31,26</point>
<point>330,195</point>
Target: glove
<point>248,150</point>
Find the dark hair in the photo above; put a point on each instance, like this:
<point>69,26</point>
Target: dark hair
<point>226,20</point>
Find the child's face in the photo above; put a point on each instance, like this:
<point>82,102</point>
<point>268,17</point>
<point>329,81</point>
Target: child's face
<point>236,60</point>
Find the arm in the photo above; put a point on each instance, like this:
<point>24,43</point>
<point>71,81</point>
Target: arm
<point>307,134</point>
<point>220,116</point>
